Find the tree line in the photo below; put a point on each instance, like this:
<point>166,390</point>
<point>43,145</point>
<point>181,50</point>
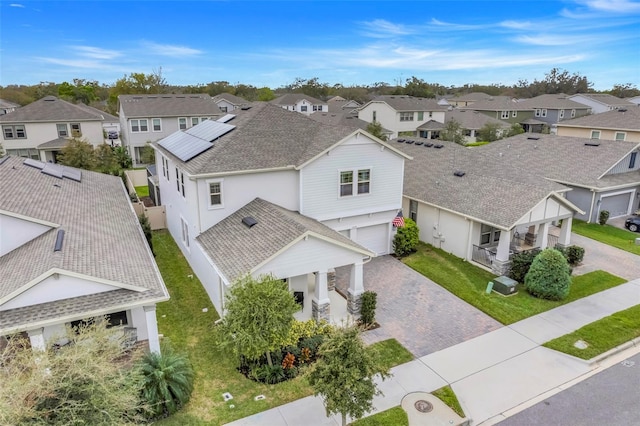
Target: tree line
<point>105,96</point>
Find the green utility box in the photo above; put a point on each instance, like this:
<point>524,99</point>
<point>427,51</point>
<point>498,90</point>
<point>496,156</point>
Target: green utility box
<point>505,285</point>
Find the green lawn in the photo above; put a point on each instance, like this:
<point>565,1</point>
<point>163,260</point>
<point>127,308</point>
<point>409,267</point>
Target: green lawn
<point>601,335</point>
<point>469,283</point>
<point>616,237</point>
<point>448,396</point>
<point>395,416</point>
<point>192,331</point>
<point>142,191</point>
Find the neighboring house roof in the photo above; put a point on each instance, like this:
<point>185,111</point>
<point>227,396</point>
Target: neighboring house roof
<point>6,104</point>
<point>342,118</point>
<point>294,98</point>
<point>341,105</point>
<point>237,249</point>
<point>265,137</point>
<point>408,103</point>
<point>619,119</point>
<point>106,117</point>
<point>168,105</point>
<point>559,101</point>
<point>103,242</point>
<point>471,120</point>
<point>604,99</point>
<point>497,103</point>
<point>232,99</point>
<point>471,97</point>
<point>50,109</point>
<point>53,144</point>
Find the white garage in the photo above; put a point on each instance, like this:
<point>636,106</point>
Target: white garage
<point>617,204</point>
<point>374,238</point>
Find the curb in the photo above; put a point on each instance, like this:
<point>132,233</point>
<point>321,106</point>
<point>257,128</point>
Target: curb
<point>611,352</point>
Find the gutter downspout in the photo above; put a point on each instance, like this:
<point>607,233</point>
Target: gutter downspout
<point>593,199</point>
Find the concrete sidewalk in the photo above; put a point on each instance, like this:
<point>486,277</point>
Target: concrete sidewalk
<point>492,374</point>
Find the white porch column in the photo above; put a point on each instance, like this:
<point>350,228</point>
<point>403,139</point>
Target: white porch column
<point>36,337</point>
<point>320,304</point>
<point>152,328</point>
<point>543,236</point>
<point>356,288</point>
<point>564,239</point>
<point>501,263</point>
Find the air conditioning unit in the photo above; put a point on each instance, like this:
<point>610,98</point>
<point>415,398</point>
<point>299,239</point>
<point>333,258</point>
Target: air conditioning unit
<point>505,285</point>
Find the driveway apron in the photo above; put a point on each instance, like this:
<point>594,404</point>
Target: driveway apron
<point>598,255</point>
<point>420,314</point>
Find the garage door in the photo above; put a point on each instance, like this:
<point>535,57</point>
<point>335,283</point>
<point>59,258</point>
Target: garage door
<point>375,238</point>
<point>616,205</point>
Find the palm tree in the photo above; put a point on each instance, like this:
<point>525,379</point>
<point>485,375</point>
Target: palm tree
<point>168,380</point>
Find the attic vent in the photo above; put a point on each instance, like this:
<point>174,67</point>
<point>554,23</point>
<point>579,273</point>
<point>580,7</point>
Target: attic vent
<point>438,146</point>
<point>59,240</point>
<point>418,143</point>
<point>400,140</point>
<point>428,145</point>
<point>410,142</point>
<point>249,221</point>
<point>459,173</point>
<point>245,108</point>
<point>622,110</point>
<point>591,144</point>
<point>533,138</point>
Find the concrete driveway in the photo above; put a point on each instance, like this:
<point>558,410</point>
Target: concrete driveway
<point>420,314</point>
<point>598,255</point>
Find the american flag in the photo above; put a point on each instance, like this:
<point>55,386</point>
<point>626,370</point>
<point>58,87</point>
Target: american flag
<point>398,221</point>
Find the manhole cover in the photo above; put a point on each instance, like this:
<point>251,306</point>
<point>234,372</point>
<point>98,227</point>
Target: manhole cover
<point>423,406</point>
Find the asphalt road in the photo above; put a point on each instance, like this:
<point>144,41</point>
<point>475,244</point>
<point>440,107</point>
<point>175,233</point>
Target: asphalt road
<point>610,398</point>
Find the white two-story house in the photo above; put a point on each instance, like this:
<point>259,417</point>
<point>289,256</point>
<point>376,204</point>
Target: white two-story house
<point>148,118</point>
<point>301,103</point>
<point>272,191</point>
<point>402,114</point>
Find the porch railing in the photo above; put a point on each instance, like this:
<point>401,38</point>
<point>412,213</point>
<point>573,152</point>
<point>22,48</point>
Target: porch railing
<point>483,255</point>
<point>552,240</point>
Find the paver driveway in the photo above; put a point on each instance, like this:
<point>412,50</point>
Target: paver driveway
<point>420,314</point>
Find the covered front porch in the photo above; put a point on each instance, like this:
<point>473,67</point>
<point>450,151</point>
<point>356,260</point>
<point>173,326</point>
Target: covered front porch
<point>304,290</point>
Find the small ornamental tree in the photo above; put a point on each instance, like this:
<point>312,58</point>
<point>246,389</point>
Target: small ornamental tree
<point>259,316</point>
<point>368,308</point>
<point>148,154</point>
<point>344,374</point>
<point>78,153</point>
<point>106,159</point>
<point>520,264</point>
<point>407,238</point>
<point>549,276</point>
<point>376,130</point>
<point>604,217</point>
<point>489,132</point>
<point>146,229</point>
<point>453,132</point>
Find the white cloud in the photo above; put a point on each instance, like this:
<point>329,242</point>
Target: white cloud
<point>17,5</point>
<point>96,52</point>
<point>171,50</point>
<point>551,40</point>
<point>516,25</point>
<point>615,6</point>
<point>380,28</point>
<point>73,63</point>
<point>437,24</point>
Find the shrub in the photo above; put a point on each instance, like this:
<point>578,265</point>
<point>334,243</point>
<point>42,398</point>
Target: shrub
<point>303,329</point>
<point>146,228</point>
<point>407,238</point>
<point>574,254</point>
<point>168,381</point>
<point>312,343</point>
<point>604,217</point>
<point>368,308</point>
<point>520,264</point>
<point>548,276</point>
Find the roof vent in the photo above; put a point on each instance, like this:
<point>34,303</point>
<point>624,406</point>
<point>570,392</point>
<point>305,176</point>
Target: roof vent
<point>418,143</point>
<point>249,221</point>
<point>409,142</point>
<point>533,138</point>
<point>59,240</point>
<point>622,110</point>
<point>459,173</point>
<point>438,146</point>
<point>591,144</point>
<point>245,108</point>
<point>428,145</point>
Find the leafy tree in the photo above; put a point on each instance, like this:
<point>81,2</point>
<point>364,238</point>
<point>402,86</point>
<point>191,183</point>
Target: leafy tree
<point>489,132</point>
<point>106,161</point>
<point>78,153</point>
<point>265,94</point>
<point>148,154</point>
<point>627,90</point>
<point>407,238</point>
<point>1,150</point>
<point>84,382</point>
<point>520,264</point>
<point>146,229</point>
<point>168,380</point>
<point>453,132</point>
<point>376,130</point>
<point>259,317</point>
<point>515,129</point>
<point>122,157</point>
<point>368,308</point>
<point>549,276</point>
<point>344,374</point>
<point>136,83</point>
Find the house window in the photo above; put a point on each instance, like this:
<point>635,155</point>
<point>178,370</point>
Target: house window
<point>182,123</point>
<point>504,115</point>
<point>573,113</point>
<point>138,126</point>
<point>177,180</point>
<point>180,181</point>
<point>406,116</point>
<point>413,210</point>
<point>303,108</point>
<point>223,109</point>
<point>114,319</point>
<point>75,130</point>
<point>194,121</point>
<point>156,124</point>
<point>632,160</point>
<point>317,107</point>
<point>215,194</point>
<point>541,112</point>
<point>364,181</point>
<point>420,115</point>
<point>489,234</point>
<point>346,184</point>
<point>14,132</point>
<point>430,114</point>
<point>363,184</point>
<point>375,114</point>
<point>514,114</point>
<point>185,232</point>
<point>63,130</point>
<point>620,136</point>
<point>561,113</point>
<point>595,134</point>
<point>24,153</point>
<point>164,167</point>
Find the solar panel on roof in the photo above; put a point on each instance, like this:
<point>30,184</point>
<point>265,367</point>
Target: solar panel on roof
<point>225,118</point>
<point>53,170</point>
<point>210,130</point>
<point>196,140</point>
<point>33,163</point>
<point>73,174</point>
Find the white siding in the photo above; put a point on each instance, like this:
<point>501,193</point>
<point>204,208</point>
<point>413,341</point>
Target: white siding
<point>375,238</point>
<point>16,232</point>
<point>320,181</point>
<point>390,118</point>
<point>545,211</point>
<point>208,275</point>
<point>38,133</point>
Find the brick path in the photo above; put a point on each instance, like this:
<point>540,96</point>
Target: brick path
<point>420,314</point>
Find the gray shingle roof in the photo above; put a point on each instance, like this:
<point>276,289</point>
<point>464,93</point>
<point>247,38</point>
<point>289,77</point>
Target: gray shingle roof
<point>342,118</point>
<point>473,96</point>
<point>232,99</point>
<point>606,99</point>
<point>55,143</point>
<point>237,249</point>
<point>266,136</point>
<point>410,103</point>
<point>102,240</point>
<point>51,108</point>
<point>624,119</point>
<point>472,119</point>
<point>497,103</point>
<point>294,98</point>
<point>168,105</point>
<point>559,101</point>
<point>6,104</point>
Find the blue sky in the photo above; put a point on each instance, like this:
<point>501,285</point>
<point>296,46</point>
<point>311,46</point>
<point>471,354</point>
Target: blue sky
<point>266,43</point>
